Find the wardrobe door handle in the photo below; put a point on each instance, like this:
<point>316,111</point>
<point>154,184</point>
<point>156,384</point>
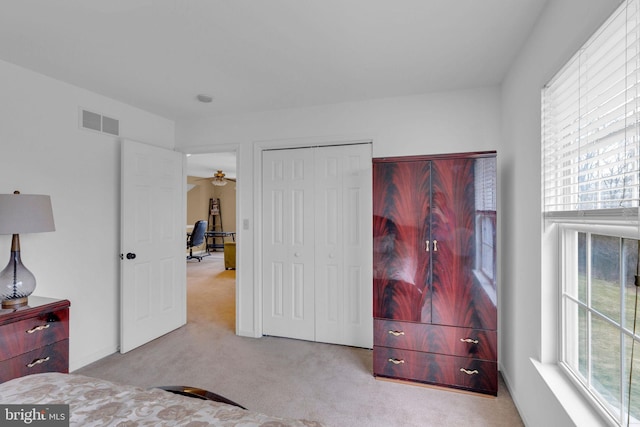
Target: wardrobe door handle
<point>426,246</point>
<point>435,246</point>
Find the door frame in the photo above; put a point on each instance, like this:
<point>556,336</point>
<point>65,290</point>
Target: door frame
<point>258,148</point>
<point>226,148</point>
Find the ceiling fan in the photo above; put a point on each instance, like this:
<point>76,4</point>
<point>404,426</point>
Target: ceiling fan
<point>218,179</point>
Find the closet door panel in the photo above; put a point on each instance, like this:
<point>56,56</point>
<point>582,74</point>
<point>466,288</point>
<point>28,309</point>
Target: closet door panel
<point>343,239</point>
<point>401,232</point>
<point>357,244</point>
<point>329,252</point>
<point>288,282</point>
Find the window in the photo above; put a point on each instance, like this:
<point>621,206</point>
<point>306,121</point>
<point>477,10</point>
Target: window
<point>590,122</point>
<point>598,306</point>
<point>590,180</point>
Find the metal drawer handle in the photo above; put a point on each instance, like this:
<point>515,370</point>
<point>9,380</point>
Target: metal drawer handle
<point>396,361</point>
<point>37,362</point>
<point>469,340</point>
<point>38,328</point>
<point>474,372</point>
<point>396,333</point>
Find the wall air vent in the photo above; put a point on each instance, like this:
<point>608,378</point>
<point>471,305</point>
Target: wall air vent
<point>99,123</point>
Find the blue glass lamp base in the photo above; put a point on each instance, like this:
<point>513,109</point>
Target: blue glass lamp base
<point>16,283</point>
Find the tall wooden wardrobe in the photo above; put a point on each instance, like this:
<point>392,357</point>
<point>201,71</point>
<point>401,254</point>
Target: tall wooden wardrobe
<point>434,270</point>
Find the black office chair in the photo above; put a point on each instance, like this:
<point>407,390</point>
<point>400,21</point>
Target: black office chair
<point>196,238</point>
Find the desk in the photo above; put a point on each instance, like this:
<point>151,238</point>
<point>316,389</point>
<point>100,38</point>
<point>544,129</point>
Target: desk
<point>212,236</point>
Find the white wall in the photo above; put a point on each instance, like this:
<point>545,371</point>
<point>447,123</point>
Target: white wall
<point>449,122</point>
<point>526,305</point>
<point>43,151</point>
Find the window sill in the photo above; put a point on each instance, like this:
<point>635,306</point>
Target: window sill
<point>577,406</point>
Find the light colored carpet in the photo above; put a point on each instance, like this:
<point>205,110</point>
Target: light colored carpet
<point>286,377</point>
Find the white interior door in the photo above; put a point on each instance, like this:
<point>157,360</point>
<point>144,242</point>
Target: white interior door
<point>317,244</point>
<point>343,245</point>
<point>153,271</point>
<point>288,244</point>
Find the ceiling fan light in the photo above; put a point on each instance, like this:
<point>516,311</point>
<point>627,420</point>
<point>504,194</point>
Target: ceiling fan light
<point>219,179</point>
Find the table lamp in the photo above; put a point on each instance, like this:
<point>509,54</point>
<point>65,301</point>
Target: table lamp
<point>21,213</point>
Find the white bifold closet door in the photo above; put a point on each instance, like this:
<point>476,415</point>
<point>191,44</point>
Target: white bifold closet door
<point>317,243</point>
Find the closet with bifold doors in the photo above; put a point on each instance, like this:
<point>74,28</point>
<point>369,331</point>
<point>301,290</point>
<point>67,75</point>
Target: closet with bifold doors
<point>434,277</point>
<point>316,244</point>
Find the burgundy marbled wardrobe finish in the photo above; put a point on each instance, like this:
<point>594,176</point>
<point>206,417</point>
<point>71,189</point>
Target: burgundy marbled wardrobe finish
<point>433,321</point>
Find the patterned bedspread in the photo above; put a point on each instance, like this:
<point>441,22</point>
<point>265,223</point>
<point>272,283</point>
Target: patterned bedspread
<point>96,402</point>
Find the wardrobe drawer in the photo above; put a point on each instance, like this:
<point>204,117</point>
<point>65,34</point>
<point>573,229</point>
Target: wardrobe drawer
<point>466,342</point>
<point>452,371</point>
<point>50,358</point>
<point>25,335</point>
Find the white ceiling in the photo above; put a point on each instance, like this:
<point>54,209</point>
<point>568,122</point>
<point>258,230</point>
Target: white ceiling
<point>253,55</point>
<point>205,165</point>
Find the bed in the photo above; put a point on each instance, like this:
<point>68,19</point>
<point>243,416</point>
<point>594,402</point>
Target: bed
<point>96,402</point>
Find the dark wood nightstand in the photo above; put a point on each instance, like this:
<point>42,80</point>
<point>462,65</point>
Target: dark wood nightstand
<point>34,338</point>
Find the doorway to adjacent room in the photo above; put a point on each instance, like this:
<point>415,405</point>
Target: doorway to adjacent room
<point>211,196</point>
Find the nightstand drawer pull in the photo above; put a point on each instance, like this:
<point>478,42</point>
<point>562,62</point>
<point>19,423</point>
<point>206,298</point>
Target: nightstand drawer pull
<point>396,361</point>
<point>474,372</point>
<point>38,328</point>
<point>469,340</point>
<point>396,333</point>
<point>38,361</point>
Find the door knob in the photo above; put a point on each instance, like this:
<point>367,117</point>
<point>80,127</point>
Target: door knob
<point>131,256</point>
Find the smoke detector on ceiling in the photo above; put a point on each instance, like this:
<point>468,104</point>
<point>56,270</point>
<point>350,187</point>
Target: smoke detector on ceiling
<point>204,98</point>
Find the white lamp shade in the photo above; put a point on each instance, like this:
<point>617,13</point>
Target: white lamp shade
<point>25,213</point>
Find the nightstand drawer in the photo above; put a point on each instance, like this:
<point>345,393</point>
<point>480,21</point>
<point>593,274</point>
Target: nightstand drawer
<point>460,372</point>
<point>50,358</point>
<point>25,335</point>
<point>455,341</point>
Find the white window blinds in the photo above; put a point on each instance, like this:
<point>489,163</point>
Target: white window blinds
<point>590,157</point>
